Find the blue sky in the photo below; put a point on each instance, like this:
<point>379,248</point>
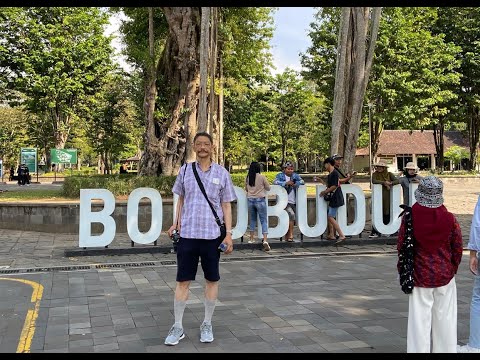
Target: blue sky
<point>289,39</point>
<point>290,36</point>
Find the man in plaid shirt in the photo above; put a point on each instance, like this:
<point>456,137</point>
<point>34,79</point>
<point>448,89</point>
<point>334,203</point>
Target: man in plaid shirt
<point>199,232</point>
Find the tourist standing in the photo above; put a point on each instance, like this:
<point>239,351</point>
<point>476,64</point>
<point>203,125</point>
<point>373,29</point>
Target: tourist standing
<point>257,186</point>
<point>473,345</point>
<point>387,180</point>
<point>200,231</point>
<point>410,176</point>
<point>290,181</point>
<point>437,252</point>
<point>334,188</point>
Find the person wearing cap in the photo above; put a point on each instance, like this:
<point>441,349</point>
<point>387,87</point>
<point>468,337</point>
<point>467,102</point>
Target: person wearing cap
<point>410,176</point>
<point>473,345</point>
<point>344,179</point>
<point>290,181</point>
<point>333,185</point>
<point>387,180</point>
<point>438,246</point>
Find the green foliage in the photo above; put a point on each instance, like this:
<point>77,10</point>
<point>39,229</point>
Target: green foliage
<point>112,129</point>
<point>119,185</point>
<point>12,134</point>
<point>57,57</point>
<point>238,179</point>
<point>456,153</point>
<point>245,33</point>
<point>413,73</point>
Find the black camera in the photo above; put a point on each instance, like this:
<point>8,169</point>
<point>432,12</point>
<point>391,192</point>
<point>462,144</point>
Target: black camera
<point>175,236</point>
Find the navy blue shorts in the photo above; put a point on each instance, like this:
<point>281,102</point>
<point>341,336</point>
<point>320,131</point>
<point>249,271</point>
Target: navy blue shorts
<point>188,253</point>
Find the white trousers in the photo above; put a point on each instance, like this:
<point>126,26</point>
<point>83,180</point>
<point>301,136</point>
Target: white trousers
<point>433,310</point>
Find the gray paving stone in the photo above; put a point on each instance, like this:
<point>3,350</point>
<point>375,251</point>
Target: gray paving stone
<point>108,347</point>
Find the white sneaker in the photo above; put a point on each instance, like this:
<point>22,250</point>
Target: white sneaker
<point>206,333</point>
<point>266,246</point>
<point>373,235</point>
<point>174,336</point>
<point>467,349</point>
<point>251,241</point>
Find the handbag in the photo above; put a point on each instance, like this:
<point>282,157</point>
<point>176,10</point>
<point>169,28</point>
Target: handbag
<point>329,196</point>
<point>223,228</point>
<point>406,253</point>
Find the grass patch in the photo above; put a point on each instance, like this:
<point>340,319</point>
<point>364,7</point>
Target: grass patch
<point>16,195</point>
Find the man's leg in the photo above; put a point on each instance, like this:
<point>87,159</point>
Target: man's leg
<point>210,259</point>
<point>474,339</point>
<point>187,262</point>
<point>252,213</point>
<point>180,301</point>
<point>211,294</point>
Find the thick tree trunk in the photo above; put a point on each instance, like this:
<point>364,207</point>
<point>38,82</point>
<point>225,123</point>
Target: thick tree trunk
<point>204,60</point>
<point>341,80</point>
<point>351,79</point>
<point>213,98</point>
<point>474,132</point>
<point>150,163</point>
<point>169,143</point>
<point>438,130</point>
<point>221,157</point>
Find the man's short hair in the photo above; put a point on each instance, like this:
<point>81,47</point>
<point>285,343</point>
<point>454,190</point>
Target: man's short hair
<point>203,133</point>
<point>329,160</point>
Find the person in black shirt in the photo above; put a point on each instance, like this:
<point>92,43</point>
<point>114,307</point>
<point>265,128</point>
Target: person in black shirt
<point>333,185</point>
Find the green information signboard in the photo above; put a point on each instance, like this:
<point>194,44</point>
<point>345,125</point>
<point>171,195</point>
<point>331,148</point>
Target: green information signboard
<point>28,156</point>
<point>63,156</point>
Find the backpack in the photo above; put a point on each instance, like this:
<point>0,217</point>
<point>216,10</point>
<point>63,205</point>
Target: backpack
<point>406,252</point>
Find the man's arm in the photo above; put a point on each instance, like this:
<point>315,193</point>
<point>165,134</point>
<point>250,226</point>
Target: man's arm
<point>298,181</point>
<point>277,180</point>
<point>456,242</point>
<point>393,179</point>
<point>376,181</point>
<point>178,218</point>
<point>227,218</point>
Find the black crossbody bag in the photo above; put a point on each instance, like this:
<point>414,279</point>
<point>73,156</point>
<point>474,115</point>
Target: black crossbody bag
<point>223,228</point>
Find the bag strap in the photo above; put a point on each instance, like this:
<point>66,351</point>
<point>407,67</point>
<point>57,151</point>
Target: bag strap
<point>200,185</point>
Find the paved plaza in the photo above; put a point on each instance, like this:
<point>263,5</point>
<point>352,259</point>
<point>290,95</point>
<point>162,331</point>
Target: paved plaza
<point>346,302</point>
<point>292,299</point>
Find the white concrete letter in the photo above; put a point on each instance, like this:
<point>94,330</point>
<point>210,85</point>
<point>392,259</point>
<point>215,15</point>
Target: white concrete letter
<point>132,215</point>
<point>302,212</point>
<point>377,212</point>
<point>412,187</point>
<point>242,213</point>
<point>87,217</point>
<point>278,210</point>
<point>358,224</point>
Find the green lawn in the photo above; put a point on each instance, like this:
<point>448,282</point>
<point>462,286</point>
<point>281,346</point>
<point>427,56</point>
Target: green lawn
<point>16,195</point>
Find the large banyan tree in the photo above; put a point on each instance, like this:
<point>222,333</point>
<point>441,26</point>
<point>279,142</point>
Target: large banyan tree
<point>182,66</point>
<point>188,59</point>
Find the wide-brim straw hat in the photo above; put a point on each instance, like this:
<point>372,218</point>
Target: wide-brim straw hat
<point>381,163</point>
<point>430,192</point>
<point>410,166</point>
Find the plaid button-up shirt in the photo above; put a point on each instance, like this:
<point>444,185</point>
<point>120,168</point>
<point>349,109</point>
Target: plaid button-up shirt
<point>197,219</point>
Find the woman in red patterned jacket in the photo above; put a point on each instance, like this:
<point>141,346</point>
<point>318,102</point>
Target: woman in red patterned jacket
<point>438,250</point>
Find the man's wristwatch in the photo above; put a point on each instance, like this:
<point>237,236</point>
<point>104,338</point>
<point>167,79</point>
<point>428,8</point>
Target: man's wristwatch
<point>230,232</point>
